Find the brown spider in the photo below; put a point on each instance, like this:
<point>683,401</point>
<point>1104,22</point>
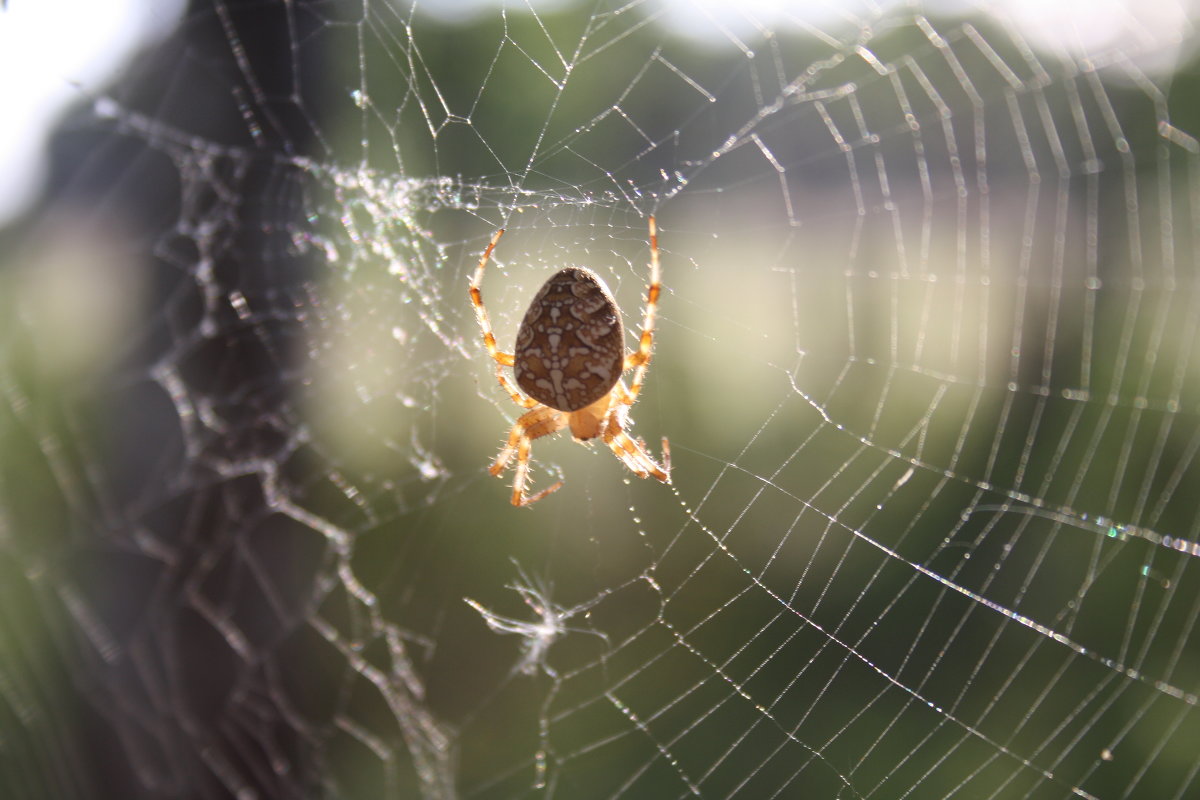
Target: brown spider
<point>570,359</point>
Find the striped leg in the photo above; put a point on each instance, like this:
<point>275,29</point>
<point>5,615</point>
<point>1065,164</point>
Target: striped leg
<point>640,359</point>
<point>541,421</point>
<point>633,453</point>
<point>485,324</point>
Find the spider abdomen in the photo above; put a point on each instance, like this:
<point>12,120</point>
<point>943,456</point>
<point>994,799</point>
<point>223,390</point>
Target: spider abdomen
<point>570,348</point>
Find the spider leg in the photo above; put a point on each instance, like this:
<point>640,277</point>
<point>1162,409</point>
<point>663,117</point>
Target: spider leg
<point>518,496</point>
<point>635,457</point>
<point>485,324</point>
<point>666,453</point>
<point>640,359</point>
<point>633,453</point>
<point>538,422</point>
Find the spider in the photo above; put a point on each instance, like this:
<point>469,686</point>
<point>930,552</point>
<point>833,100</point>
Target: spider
<point>569,361</point>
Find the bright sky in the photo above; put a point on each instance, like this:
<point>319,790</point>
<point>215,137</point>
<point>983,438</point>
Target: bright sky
<point>54,53</point>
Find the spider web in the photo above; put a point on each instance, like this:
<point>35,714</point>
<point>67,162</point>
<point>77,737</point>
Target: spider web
<point>926,358</point>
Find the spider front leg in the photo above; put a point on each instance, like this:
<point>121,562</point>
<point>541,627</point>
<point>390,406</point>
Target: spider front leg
<point>540,421</point>
<point>502,359</point>
<point>639,360</point>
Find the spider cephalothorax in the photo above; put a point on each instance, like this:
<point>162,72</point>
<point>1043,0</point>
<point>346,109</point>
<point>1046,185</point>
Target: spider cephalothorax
<point>569,361</point>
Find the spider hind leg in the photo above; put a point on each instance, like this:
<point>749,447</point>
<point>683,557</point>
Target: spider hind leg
<point>633,452</point>
<point>533,424</point>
